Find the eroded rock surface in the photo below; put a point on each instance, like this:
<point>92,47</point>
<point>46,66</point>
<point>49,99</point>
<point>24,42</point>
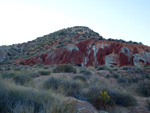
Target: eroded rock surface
<point>92,52</point>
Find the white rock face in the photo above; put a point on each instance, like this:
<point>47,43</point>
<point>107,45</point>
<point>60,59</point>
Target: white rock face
<point>127,52</point>
<point>104,45</point>
<point>72,47</point>
<point>95,49</point>
<point>86,58</point>
<point>141,59</point>
<point>111,59</point>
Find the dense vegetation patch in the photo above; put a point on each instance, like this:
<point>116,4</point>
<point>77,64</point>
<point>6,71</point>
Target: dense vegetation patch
<point>144,88</point>
<point>102,98</point>
<point>45,72</point>
<point>22,90</point>
<point>66,68</point>
<point>17,99</point>
<point>69,87</point>
<point>22,79</point>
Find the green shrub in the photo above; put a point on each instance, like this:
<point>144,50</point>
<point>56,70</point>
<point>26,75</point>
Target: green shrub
<point>130,69</point>
<point>144,88</point>
<point>146,75</point>
<point>86,73</point>
<point>22,79</point>
<point>115,75</point>
<point>105,68</point>
<point>18,99</point>
<point>7,74</point>
<point>11,96</point>
<point>147,66</point>
<point>108,76</point>
<point>126,68</point>
<point>116,97</point>
<point>46,67</point>
<point>66,68</point>
<point>52,106</point>
<point>45,72</point>
<point>17,69</point>
<point>134,80</point>
<point>122,99</point>
<point>34,75</point>
<point>68,86</point>
<point>138,70</point>
<point>101,100</point>
<point>114,68</point>
<point>52,82</point>
<point>79,77</point>
<point>97,96</point>
<point>122,80</point>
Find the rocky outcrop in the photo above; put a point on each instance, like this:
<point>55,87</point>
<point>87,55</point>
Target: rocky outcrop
<point>111,60</point>
<point>92,52</point>
<point>141,59</point>
<point>78,46</point>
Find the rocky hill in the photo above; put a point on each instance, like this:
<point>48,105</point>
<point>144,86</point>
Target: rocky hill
<point>78,46</point>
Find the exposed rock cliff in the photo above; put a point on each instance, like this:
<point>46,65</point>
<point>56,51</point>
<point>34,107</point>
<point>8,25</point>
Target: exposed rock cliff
<point>78,46</point>
<point>93,52</point>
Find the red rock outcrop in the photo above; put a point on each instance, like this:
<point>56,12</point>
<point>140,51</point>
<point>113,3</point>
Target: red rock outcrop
<point>91,52</point>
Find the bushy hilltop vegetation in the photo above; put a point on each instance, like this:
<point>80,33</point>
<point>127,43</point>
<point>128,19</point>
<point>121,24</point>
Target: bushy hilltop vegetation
<point>51,41</point>
<point>69,89</point>
<point>48,42</point>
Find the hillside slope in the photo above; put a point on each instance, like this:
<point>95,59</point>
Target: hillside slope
<point>78,46</point>
<point>92,52</point>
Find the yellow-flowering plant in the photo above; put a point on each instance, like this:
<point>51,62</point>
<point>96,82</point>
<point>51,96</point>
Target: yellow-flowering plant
<point>100,99</point>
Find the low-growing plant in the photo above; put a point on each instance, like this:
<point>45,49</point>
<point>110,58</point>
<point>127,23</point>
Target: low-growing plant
<point>122,99</point>
<point>46,67</point>
<point>52,82</point>
<point>34,75</point>
<point>66,68</point>
<point>45,72</point>
<point>144,88</point>
<point>52,106</point>
<point>134,80</point>
<point>116,97</point>
<point>108,76</point>
<point>19,99</point>
<point>146,75</point>
<point>105,68</point>
<point>7,74</point>
<point>86,73</point>
<point>115,75</point>
<point>126,68</point>
<point>122,80</point>
<point>138,70</point>
<point>17,69</point>
<point>97,96</point>
<point>101,100</point>
<point>22,79</point>
<point>70,87</point>
<point>80,77</point>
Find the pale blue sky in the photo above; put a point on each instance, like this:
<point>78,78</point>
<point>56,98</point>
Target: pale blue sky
<point>24,20</point>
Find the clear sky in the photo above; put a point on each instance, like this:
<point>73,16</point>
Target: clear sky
<point>25,20</point>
